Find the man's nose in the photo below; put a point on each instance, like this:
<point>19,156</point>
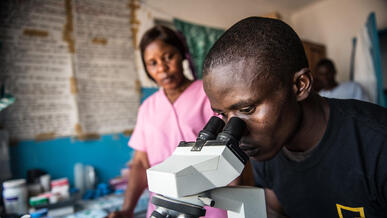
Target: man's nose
<point>229,116</point>
<point>239,125</point>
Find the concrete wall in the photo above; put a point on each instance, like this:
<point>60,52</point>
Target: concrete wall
<point>216,13</point>
<point>334,23</point>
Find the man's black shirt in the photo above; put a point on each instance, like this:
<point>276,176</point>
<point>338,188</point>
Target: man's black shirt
<point>344,176</point>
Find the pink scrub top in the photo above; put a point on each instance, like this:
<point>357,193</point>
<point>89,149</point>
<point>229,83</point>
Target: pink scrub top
<point>161,126</point>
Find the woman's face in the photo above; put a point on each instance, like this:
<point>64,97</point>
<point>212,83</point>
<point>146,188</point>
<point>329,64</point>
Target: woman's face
<point>164,64</point>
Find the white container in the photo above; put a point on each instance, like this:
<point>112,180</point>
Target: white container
<point>90,177</point>
<point>15,195</point>
<point>79,180</point>
<point>45,181</point>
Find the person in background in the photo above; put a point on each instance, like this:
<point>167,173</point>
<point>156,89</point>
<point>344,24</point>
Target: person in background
<point>326,85</point>
<point>315,157</point>
<point>177,112</point>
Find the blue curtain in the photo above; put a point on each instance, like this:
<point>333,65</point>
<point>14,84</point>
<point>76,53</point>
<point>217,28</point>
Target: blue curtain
<point>376,59</point>
<point>199,40</point>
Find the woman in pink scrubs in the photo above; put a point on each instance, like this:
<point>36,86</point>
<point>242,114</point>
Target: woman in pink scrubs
<point>177,112</point>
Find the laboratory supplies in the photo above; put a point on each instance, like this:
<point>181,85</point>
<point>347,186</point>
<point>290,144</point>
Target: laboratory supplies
<point>15,196</point>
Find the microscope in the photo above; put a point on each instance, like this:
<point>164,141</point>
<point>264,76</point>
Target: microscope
<point>197,174</point>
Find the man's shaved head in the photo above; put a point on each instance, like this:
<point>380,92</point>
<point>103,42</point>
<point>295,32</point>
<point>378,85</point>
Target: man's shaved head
<point>257,71</point>
<point>272,44</point>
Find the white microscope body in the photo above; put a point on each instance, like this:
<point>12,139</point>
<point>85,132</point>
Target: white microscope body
<point>197,175</point>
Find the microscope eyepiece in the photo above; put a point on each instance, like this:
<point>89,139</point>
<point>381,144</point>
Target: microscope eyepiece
<point>233,130</point>
<point>231,135</point>
<point>211,130</point>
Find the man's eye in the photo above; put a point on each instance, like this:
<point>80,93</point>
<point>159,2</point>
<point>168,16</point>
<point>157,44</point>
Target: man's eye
<point>248,110</point>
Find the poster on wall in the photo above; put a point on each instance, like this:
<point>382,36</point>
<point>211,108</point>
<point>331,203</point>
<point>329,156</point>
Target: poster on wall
<point>70,66</point>
<point>104,66</point>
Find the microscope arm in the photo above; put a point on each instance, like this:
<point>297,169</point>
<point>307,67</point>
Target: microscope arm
<point>240,201</point>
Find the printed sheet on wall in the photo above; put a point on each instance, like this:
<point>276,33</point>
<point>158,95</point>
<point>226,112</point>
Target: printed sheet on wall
<point>70,65</point>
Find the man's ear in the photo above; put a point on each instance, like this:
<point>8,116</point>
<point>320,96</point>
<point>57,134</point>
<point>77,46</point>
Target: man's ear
<point>302,83</point>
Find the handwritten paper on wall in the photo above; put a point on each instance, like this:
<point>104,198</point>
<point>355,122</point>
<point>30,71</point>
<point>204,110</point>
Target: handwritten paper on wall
<point>70,65</point>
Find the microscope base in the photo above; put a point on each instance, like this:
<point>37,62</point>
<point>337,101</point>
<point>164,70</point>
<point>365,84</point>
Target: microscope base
<point>172,208</point>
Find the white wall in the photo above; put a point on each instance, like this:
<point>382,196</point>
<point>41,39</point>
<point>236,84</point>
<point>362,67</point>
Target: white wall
<point>216,13</point>
<point>334,23</point>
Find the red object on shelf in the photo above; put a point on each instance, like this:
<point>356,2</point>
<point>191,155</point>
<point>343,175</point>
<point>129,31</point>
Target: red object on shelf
<point>59,182</point>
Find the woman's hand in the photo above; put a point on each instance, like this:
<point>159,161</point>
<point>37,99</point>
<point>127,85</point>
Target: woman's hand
<point>137,183</point>
<point>121,214</point>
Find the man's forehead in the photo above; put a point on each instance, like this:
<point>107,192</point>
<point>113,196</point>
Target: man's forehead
<point>231,84</point>
<point>237,73</point>
<point>229,97</point>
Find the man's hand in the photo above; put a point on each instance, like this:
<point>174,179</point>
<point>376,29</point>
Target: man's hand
<point>121,214</point>
<point>273,206</point>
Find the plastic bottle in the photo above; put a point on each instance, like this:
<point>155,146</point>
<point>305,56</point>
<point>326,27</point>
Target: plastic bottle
<point>42,213</point>
<point>79,180</point>
<point>15,196</point>
<point>90,177</point>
